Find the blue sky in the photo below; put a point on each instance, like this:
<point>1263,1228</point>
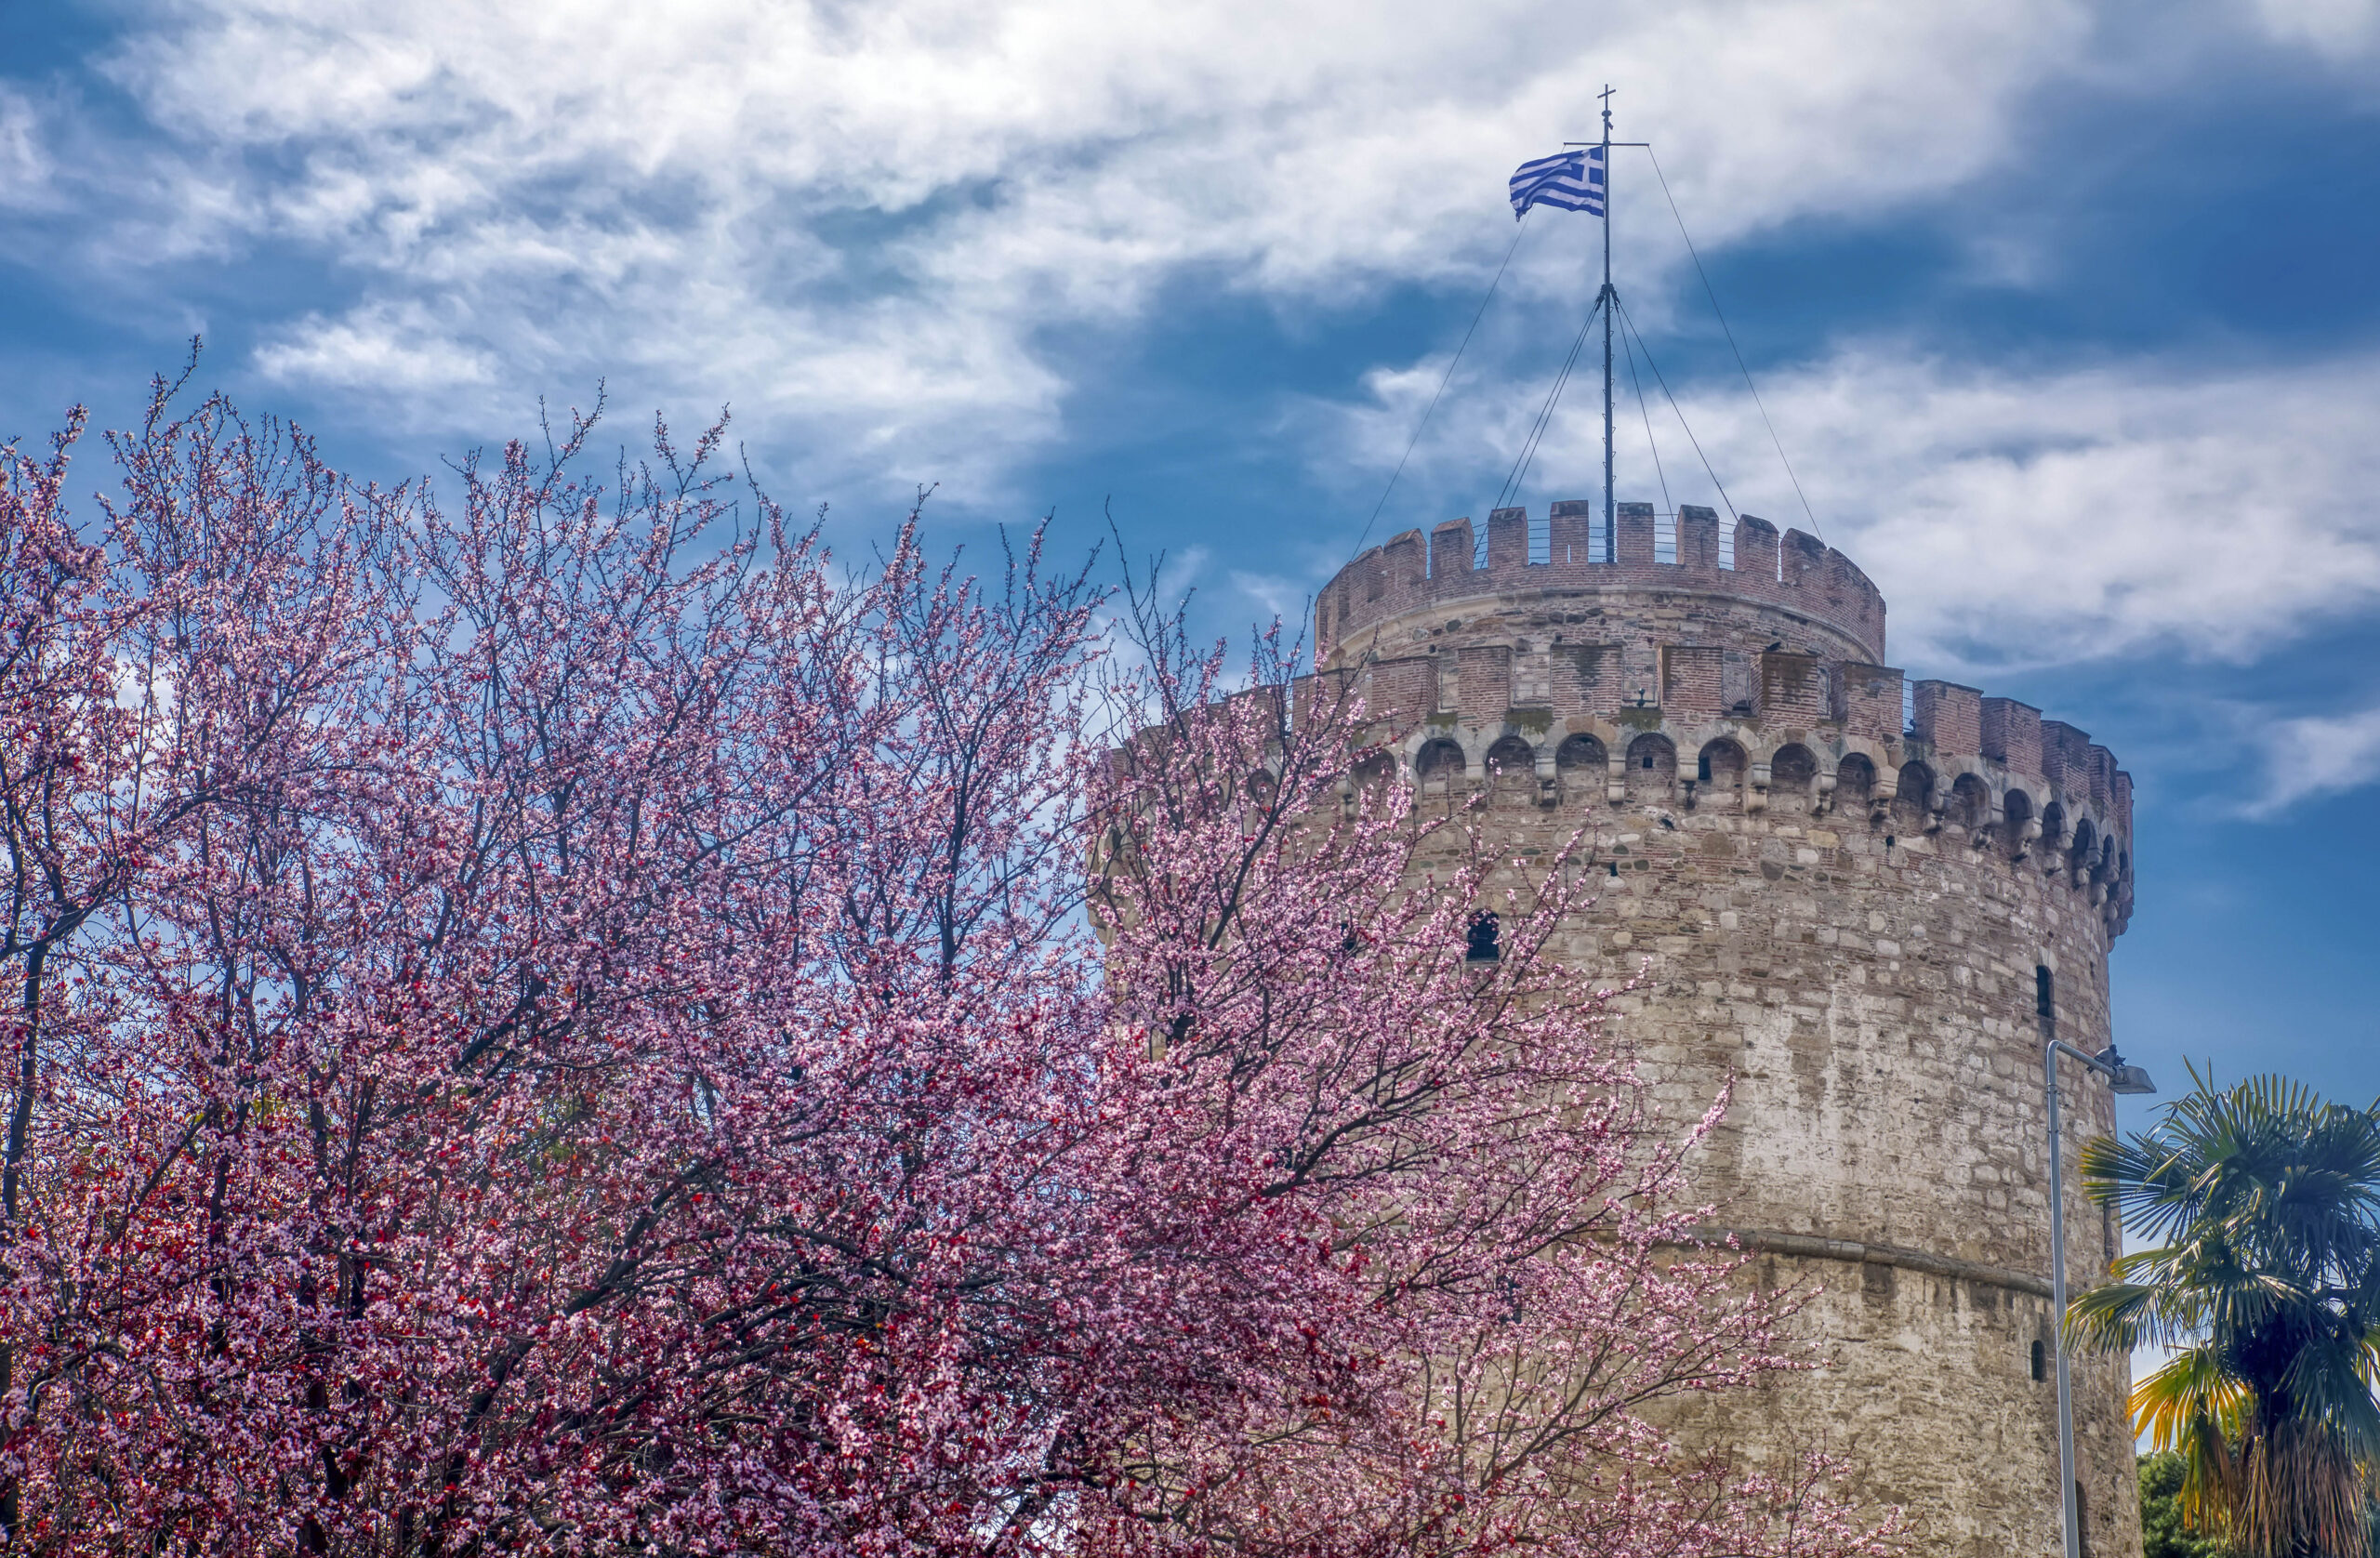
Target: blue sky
<point>2065,312</point>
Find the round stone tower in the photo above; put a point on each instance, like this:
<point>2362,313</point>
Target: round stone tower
<point>1865,904</point>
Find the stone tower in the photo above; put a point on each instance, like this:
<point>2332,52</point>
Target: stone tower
<point>1865,904</point>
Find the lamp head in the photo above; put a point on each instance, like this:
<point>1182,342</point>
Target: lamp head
<point>2123,1078</point>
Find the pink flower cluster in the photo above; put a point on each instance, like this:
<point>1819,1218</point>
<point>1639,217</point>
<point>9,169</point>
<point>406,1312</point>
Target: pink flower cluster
<point>570,1024</point>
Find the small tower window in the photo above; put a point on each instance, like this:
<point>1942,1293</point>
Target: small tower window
<point>1480,945</point>
<point>2040,1363</point>
<point>2044,995</point>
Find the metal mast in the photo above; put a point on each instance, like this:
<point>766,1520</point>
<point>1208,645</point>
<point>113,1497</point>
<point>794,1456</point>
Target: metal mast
<point>1607,299</point>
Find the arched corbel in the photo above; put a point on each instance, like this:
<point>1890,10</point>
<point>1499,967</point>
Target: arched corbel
<point>2027,830</point>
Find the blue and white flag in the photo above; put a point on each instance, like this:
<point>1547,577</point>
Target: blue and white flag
<point>1568,181</point>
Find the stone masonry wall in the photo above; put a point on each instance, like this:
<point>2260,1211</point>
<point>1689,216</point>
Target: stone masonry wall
<point>1845,917</point>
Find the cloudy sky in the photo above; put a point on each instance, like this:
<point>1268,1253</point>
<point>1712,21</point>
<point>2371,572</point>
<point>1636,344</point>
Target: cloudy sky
<point>2065,314</point>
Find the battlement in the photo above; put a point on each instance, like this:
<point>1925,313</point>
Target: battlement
<point>1821,737</point>
<point>1797,573</point>
<point>1755,686</point>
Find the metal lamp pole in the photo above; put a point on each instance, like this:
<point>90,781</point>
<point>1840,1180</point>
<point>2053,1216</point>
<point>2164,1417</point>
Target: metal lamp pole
<point>2120,1079</point>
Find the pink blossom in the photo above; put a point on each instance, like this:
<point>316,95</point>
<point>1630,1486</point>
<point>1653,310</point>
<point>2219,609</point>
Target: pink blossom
<point>572,1025</point>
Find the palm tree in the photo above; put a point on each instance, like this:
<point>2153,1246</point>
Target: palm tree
<point>2264,1205</point>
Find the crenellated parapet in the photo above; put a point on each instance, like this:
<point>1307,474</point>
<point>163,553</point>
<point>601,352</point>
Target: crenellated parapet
<point>1797,573</point>
<point>1756,687</point>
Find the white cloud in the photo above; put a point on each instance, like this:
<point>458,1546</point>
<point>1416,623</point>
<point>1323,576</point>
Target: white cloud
<point>860,223</point>
<point>24,169</point>
<point>386,348</point>
<point>2318,755</point>
<point>871,228</point>
<point>2339,29</point>
<point>2010,519</point>
<point>1271,597</point>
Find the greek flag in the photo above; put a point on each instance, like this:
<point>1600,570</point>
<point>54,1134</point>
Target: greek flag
<point>1569,182</point>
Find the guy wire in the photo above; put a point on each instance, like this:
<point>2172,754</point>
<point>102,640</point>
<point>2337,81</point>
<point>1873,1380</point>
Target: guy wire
<point>1545,413</point>
<point>1712,293</point>
<point>1444,380</point>
<point>1642,410</point>
<point>1628,323</point>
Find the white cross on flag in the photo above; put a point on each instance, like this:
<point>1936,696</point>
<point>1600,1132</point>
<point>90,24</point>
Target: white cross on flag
<point>1568,181</point>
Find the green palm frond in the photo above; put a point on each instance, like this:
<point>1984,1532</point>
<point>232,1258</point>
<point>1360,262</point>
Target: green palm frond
<point>2193,1390</point>
<point>2262,1204</point>
<point>2117,1317</point>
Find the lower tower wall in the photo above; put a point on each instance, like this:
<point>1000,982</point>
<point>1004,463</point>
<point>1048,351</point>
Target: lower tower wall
<point>1872,1001</point>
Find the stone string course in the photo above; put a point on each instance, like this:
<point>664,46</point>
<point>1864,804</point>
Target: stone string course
<point>1839,914</point>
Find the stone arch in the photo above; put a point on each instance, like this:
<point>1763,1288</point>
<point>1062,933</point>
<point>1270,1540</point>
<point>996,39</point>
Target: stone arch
<point>1719,768</point>
<point>2023,827</point>
<point>1512,769</point>
<point>1970,806</point>
<point>1912,797</point>
<point>1583,766</point>
<point>1366,786</point>
<point>1652,767</point>
<point>1438,765</point>
<point>1512,753</point>
<point>1793,778</point>
<point>1855,783</point>
<point>2053,826</point>
<point>1580,751</point>
<point>2080,856</point>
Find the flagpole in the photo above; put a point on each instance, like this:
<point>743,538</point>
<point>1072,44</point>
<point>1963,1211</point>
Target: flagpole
<point>1610,514</point>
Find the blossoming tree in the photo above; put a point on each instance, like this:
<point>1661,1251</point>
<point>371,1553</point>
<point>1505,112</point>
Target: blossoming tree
<point>565,1024</point>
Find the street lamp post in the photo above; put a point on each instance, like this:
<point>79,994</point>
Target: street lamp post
<point>2120,1079</point>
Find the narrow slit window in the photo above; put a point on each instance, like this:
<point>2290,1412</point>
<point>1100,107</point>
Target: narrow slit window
<point>2040,1363</point>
